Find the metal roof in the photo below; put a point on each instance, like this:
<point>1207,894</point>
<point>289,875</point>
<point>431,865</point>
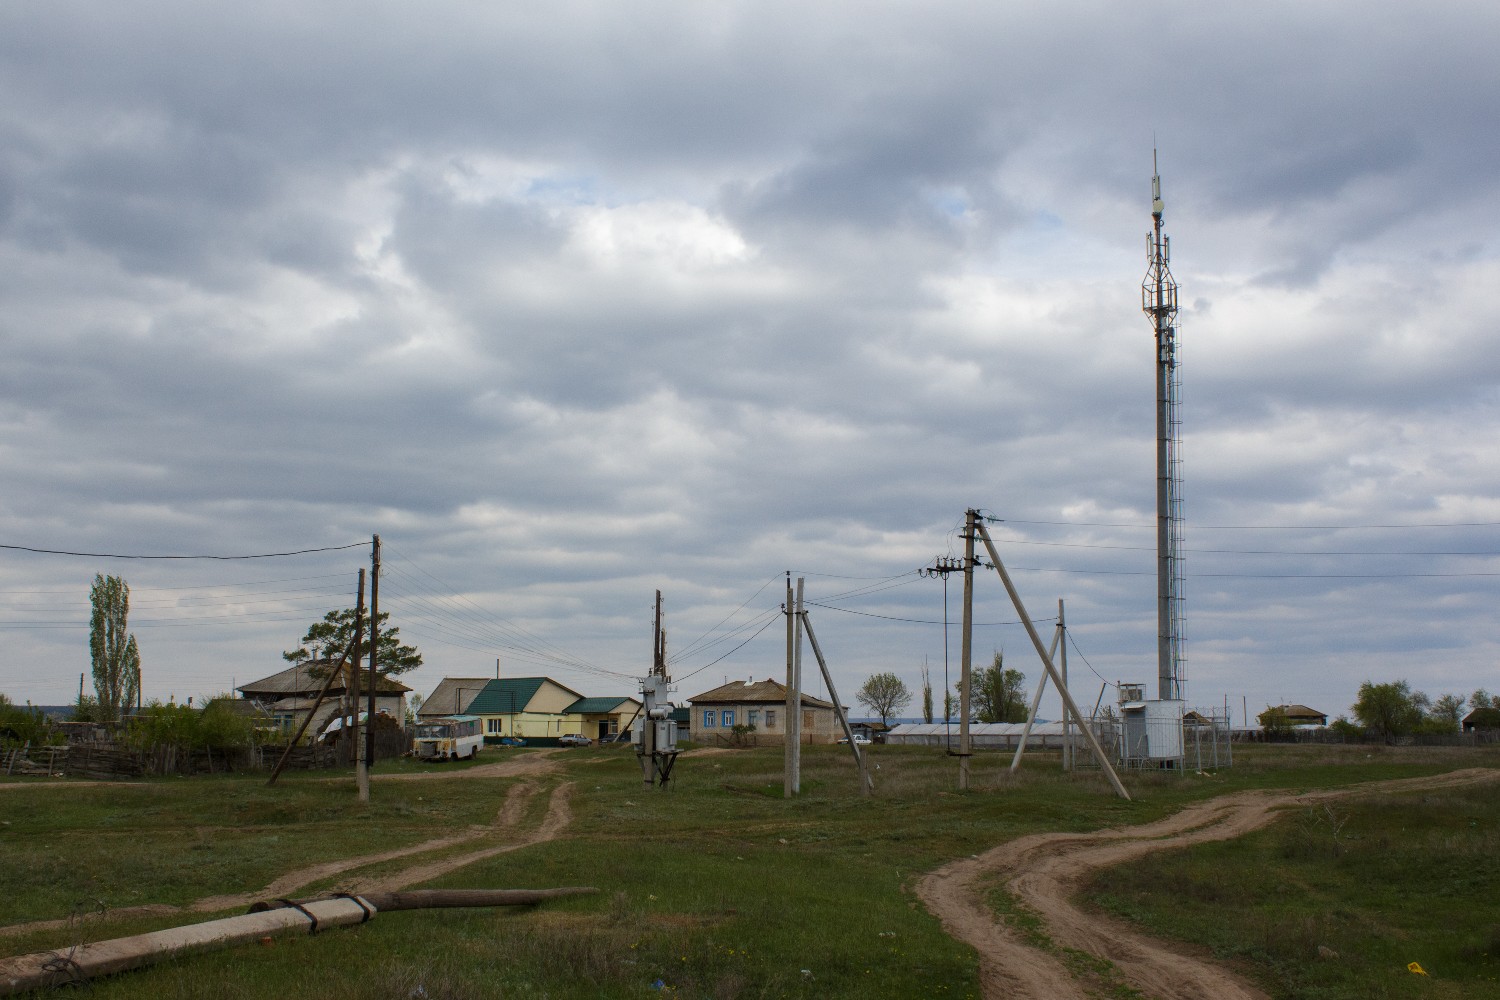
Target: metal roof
<point>300,679</point>
<point>453,694</point>
<point>976,729</point>
<point>595,706</point>
<point>739,692</point>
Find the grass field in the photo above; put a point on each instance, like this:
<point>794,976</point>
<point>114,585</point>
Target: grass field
<point>721,888</point>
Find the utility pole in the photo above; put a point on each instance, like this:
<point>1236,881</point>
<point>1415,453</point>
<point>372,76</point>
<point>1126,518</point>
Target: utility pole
<point>942,566</point>
<point>797,671</point>
<point>369,761</point>
<point>1159,302</point>
<point>359,631</point>
<point>1036,640</point>
<point>657,747</point>
<point>1062,668</point>
<point>971,518</point>
<point>789,757</point>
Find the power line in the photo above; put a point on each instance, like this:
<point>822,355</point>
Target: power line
<point>916,621</point>
<point>114,555</point>
<point>771,618</point>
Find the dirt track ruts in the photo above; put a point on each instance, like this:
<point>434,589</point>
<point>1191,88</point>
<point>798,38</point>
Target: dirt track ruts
<point>508,819</point>
<point>1042,871</point>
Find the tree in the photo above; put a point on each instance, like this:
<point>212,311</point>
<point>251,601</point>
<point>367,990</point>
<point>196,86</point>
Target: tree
<point>1391,709</point>
<point>947,705</point>
<point>335,632</point>
<point>884,695</point>
<point>926,696</point>
<point>1274,723</point>
<point>1483,699</point>
<point>1446,714</point>
<point>116,658</point>
<point>998,694</point>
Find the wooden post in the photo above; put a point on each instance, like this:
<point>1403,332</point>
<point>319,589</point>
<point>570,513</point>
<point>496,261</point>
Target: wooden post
<point>369,758</point>
<point>352,730</point>
<point>1036,640</point>
<point>967,654</point>
<point>334,671</point>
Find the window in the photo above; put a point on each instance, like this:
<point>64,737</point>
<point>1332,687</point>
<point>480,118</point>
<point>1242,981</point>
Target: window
<point>807,720</point>
<point>753,716</point>
<point>494,726</point>
<point>708,718</point>
<point>770,718</point>
<point>728,719</point>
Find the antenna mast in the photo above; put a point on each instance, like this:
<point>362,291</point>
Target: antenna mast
<point>1159,302</point>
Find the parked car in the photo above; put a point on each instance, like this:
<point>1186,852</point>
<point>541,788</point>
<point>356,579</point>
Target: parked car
<point>574,740</point>
<point>860,740</point>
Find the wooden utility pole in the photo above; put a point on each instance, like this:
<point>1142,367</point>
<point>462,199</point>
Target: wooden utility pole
<point>647,749</point>
<point>369,758</point>
<point>966,655</point>
<point>359,631</point>
<point>335,670</point>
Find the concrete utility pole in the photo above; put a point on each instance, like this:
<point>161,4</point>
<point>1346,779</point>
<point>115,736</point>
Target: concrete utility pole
<point>1036,640</point>
<point>789,754</point>
<point>865,784</point>
<point>1062,668</point>
<point>971,519</point>
<point>797,671</point>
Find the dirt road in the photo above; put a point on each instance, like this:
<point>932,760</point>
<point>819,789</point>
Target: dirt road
<point>1043,871</point>
<point>507,832</point>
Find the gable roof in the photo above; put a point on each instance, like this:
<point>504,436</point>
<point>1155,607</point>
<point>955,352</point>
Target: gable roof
<point>299,679</point>
<point>512,694</point>
<point>739,693</point>
<point>1297,712</point>
<point>596,706</point>
<point>452,695</point>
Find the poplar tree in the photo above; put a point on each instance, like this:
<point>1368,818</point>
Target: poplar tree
<point>116,658</point>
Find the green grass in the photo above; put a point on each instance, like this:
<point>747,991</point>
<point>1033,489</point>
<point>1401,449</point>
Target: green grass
<point>1335,900</point>
<point>718,888</point>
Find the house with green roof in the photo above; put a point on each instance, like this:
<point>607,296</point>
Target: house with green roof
<point>537,709</point>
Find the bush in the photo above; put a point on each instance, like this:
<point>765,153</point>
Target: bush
<point>21,724</point>
<point>215,727</point>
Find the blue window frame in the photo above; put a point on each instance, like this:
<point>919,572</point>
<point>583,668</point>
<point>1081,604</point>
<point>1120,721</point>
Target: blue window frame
<point>728,718</point>
<point>708,718</point>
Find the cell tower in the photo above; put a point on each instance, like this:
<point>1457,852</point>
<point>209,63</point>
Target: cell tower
<point>1159,301</point>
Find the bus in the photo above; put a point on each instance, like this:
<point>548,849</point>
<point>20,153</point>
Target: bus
<point>449,738</point>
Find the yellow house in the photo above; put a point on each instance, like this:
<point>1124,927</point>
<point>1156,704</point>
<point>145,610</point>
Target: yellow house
<point>532,708</point>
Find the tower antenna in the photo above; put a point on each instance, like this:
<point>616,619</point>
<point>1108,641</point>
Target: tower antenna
<point>1159,302</point>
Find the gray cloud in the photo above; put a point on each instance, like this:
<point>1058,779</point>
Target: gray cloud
<point>576,303</point>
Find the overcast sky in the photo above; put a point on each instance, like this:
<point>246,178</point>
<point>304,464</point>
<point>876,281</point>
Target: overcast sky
<point>574,301</point>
